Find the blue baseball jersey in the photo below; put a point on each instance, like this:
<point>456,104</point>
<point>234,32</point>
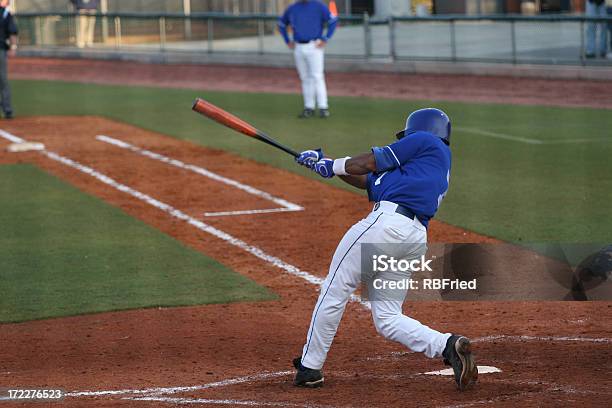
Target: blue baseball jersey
<point>85,4</point>
<point>307,19</point>
<point>413,172</point>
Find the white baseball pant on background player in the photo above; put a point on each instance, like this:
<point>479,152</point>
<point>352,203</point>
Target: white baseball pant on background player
<point>86,25</point>
<point>383,225</point>
<point>309,60</point>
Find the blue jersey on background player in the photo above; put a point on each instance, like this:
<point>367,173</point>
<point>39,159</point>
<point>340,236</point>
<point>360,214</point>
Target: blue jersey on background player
<point>307,19</point>
<point>413,172</point>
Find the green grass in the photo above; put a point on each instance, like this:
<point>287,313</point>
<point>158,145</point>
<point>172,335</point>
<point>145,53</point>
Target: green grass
<point>63,252</point>
<point>514,191</point>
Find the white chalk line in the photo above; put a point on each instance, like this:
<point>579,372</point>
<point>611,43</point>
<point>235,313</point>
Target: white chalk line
<point>247,212</point>
<point>153,391</point>
<point>203,401</point>
<point>207,401</point>
<point>542,339</point>
<point>502,136</point>
<point>580,140</point>
<point>528,140</point>
<point>285,205</point>
<point>11,137</point>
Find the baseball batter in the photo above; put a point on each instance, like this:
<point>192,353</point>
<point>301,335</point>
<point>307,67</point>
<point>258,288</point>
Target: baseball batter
<point>307,18</point>
<point>407,180</point>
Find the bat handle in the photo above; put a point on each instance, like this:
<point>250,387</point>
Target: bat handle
<point>266,139</point>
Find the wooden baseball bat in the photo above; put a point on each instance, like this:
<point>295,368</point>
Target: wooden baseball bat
<point>227,119</point>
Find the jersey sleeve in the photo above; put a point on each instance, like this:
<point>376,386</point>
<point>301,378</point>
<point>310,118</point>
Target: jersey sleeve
<point>398,153</point>
<point>331,20</point>
<point>283,22</point>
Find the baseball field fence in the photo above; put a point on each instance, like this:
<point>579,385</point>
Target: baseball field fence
<point>514,39</point>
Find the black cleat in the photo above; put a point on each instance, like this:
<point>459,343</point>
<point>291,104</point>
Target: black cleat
<point>306,377</point>
<point>324,113</point>
<point>458,354</point>
<point>8,115</point>
<point>306,113</point>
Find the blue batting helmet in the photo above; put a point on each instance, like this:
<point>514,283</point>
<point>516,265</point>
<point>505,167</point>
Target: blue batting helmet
<point>429,120</point>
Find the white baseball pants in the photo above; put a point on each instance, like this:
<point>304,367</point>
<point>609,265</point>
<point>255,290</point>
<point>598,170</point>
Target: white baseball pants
<point>86,25</point>
<point>309,61</point>
<point>383,225</point>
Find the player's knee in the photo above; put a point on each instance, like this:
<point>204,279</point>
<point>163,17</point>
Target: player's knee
<point>385,323</point>
<point>336,298</point>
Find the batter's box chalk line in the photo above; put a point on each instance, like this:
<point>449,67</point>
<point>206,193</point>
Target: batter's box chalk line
<point>156,391</point>
<point>285,206</point>
<point>544,339</point>
<point>206,401</point>
<point>164,394</point>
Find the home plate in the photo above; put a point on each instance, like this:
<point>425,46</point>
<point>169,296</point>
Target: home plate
<point>481,370</point>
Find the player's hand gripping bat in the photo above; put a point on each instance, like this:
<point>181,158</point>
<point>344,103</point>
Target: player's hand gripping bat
<point>225,118</point>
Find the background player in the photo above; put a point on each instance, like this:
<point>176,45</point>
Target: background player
<point>307,18</point>
<point>86,21</point>
<point>407,179</point>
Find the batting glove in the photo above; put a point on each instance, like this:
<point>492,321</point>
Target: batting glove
<point>324,168</point>
<point>308,158</point>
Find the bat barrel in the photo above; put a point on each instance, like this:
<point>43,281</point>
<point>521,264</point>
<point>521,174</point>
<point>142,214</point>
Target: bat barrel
<point>227,119</point>
<point>223,117</point>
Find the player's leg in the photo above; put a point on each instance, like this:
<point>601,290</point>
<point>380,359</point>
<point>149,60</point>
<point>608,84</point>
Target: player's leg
<point>456,350</point>
<point>609,14</point>
<point>81,28</point>
<point>318,66</point>
<point>392,324</point>
<point>309,50</point>
<point>5,87</point>
<point>603,35</point>
<point>301,63</point>
<point>590,30</point>
<point>406,239</point>
<point>387,304</point>
<point>91,26</point>
<point>343,278</point>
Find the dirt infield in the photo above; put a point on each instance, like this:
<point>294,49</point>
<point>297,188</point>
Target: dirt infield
<point>577,93</point>
<point>550,353</point>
